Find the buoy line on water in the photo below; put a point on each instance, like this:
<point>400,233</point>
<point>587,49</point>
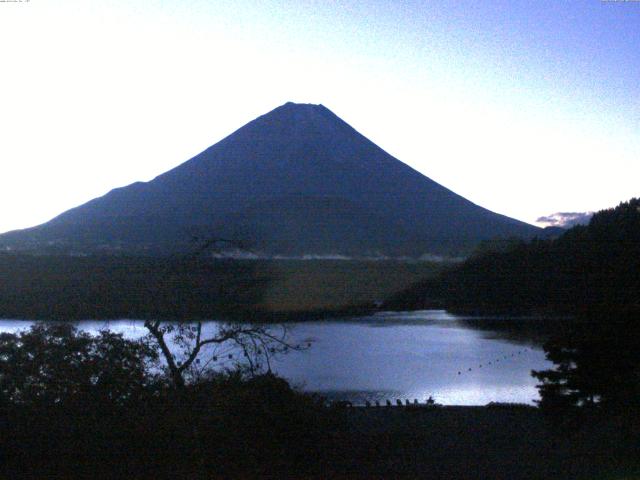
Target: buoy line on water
<point>496,361</point>
<point>430,401</point>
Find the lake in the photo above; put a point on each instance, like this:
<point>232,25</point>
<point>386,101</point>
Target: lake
<point>394,355</point>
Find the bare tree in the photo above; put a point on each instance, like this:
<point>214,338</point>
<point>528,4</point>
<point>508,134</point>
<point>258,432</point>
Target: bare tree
<point>191,351</point>
<point>184,344</point>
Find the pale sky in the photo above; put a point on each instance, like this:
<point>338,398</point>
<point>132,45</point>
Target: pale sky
<point>524,107</point>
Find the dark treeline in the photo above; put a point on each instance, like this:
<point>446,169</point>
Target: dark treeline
<point>588,267</point>
<point>62,287</point>
<point>51,287</point>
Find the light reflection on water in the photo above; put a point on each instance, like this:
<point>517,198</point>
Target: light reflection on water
<point>392,355</point>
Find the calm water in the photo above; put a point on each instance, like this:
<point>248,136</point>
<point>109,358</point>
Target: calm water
<point>393,355</point>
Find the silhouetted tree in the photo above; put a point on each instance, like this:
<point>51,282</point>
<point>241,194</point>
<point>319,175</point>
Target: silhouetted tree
<point>55,363</point>
<point>597,367</point>
<point>182,346</point>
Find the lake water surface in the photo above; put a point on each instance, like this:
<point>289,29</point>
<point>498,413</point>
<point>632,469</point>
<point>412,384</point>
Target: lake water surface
<point>393,355</point>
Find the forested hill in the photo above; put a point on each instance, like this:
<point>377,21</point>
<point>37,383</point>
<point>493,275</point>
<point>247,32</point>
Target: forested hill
<point>596,265</point>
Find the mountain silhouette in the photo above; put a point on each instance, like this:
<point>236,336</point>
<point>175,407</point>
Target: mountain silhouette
<point>297,180</point>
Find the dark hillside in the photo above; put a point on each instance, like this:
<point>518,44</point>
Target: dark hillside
<point>596,265</point>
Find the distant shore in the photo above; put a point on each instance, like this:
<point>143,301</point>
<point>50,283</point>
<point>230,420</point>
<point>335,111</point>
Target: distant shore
<point>109,287</point>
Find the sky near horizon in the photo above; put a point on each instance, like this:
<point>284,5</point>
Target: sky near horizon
<point>524,107</point>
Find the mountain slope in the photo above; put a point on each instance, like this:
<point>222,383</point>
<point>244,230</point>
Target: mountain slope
<point>296,180</point>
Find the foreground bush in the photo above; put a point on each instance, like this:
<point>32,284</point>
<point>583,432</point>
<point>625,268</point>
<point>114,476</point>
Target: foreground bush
<point>56,364</point>
<point>75,405</point>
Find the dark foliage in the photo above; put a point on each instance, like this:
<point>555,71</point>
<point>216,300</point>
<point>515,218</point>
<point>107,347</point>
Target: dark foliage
<point>225,428</point>
<point>587,267</point>
<point>56,364</point>
<point>597,368</point>
<point>75,405</point>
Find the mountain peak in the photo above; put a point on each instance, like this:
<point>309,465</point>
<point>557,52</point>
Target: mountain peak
<point>296,180</point>
<point>301,109</point>
<point>309,106</point>
<point>296,120</point>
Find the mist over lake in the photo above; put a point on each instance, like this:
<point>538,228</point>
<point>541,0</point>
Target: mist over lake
<point>390,355</point>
